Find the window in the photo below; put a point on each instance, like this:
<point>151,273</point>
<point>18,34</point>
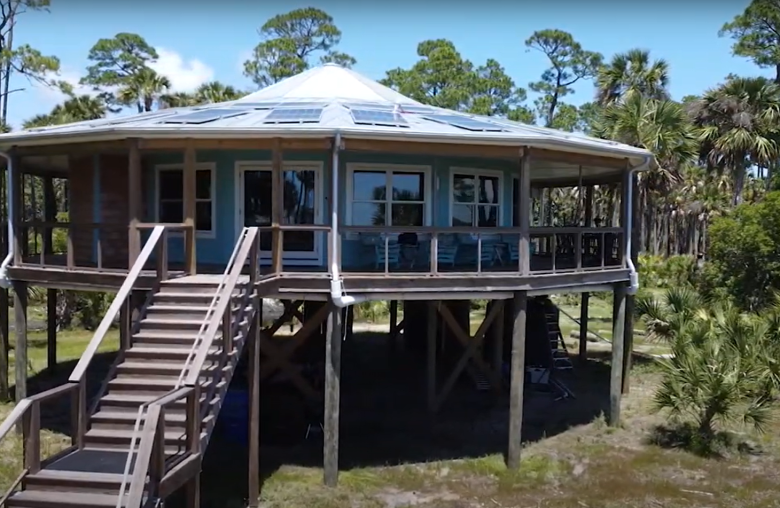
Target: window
<point>388,197</point>
<point>476,199</point>
<point>170,201</point>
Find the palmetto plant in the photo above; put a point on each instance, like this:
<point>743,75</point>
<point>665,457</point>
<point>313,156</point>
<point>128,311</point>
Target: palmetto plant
<point>723,363</point>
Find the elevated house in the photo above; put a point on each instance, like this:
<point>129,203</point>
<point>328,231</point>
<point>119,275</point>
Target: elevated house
<point>326,187</point>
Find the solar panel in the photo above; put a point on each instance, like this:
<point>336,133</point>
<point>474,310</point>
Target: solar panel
<point>142,116</point>
<point>204,116</point>
<point>256,105</point>
<point>464,122</point>
<point>377,117</point>
<point>369,105</point>
<point>417,109</point>
<point>294,115</point>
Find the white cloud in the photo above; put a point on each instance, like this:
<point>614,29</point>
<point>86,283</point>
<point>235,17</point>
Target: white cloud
<point>49,96</point>
<point>185,75</point>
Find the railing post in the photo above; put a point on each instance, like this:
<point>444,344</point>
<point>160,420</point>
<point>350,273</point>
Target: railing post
<point>193,420</point>
<point>479,253</point>
<point>32,438</point>
<point>71,253</point>
<point>227,328</point>
<point>82,409</point>
<point>387,253</point>
<point>162,257</point>
<point>578,246</point>
<point>254,261</point>
<point>277,249</point>
<point>524,214</point>
<point>99,247</point>
<point>553,248</point>
<point>435,252</point>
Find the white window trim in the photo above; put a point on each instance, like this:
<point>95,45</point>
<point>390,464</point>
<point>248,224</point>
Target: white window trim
<point>427,172</point>
<point>478,172</point>
<point>200,166</point>
<point>314,259</point>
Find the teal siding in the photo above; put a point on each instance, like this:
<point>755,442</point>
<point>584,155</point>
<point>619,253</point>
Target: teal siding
<point>217,250</point>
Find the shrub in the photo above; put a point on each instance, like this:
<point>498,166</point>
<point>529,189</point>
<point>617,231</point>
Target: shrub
<point>667,272</point>
<point>744,254</point>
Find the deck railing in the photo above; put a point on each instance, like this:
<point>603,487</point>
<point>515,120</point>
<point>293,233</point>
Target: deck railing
<point>447,250</point>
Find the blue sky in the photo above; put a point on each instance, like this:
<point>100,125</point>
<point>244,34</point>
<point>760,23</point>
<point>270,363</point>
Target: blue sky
<point>209,40</point>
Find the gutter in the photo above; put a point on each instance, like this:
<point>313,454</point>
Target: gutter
<point>633,275</point>
<point>5,281</point>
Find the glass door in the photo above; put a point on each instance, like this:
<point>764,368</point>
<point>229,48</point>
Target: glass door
<point>301,205</point>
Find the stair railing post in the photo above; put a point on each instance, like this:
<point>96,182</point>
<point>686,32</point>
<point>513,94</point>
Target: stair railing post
<point>254,261</point>
<point>82,412</point>
<point>162,258</point>
<point>193,421</point>
<point>31,432</point>
<point>157,466</point>
<point>227,330</point>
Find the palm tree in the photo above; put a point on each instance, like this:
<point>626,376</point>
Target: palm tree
<point>213,92</point>
<point>143,89</point>
<point>75,109</point>
<point>629,73</point>
<point>662,127</point>
<point>739,127</point>
<point>178,100</point>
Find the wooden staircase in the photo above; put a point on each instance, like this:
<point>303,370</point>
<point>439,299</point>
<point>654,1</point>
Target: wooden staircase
<point>149,369</point>
<point>145,435</point>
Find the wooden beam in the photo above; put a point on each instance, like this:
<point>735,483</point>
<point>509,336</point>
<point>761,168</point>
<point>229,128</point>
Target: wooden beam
<point>432,149</point>
<point>393,335</point>
<point>332,396</point>
<point>189,183</point>
<point>584,309</point>
<point>288,145</point>
<point>20,330</point>
<point>135,200</point>
<point>498,337</point>
<point>431,355</point>
<point>253,497</point>
<point>51,329</point>
<point>83,148</point>
<point>5,308</point>
<point>577,159</point>
<point>520,309</point>
<point>616,377</point>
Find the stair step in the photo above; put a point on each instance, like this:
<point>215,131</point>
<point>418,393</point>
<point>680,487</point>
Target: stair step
<point>115,417</point>
<point>151,353</point>
<point>59,499</point>
<point>148,384</point>
<point>170,337</point>
<point>132,400</point>
<point>74,481</point>
<point>137,368</point>
<point>102,437</point>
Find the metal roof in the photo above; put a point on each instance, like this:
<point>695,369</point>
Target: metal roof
<point>320,102</point>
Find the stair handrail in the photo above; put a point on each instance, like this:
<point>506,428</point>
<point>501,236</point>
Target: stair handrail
<point>577,321</point>
<point>116,305</point>
<point>223,300</point>
<point>214,301</point>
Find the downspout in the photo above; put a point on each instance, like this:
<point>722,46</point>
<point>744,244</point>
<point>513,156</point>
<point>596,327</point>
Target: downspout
<point>633,275</point>
<point>337,293</point>
<point>5,281</point>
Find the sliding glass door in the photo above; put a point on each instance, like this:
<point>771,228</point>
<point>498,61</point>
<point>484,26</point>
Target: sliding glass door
<point>302,203</point>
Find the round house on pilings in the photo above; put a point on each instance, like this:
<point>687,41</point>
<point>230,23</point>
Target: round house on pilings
<point>358,193</point>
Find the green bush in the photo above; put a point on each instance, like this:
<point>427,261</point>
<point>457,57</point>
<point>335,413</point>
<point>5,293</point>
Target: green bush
<point>744,254</point>
<point>667,272</point>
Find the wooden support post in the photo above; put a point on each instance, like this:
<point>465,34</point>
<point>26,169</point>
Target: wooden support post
<point>350,322</point>
<point>16,209</point>
<point>393,324</point>
<point>520,309</point>
<point>254,408</point>
<point>584,309</point>
<point>431,355</point>
<point>134,201</point>
<point>5,308</point>
<point>20,329</point>
<point>189,184</point>
<point>51,329</point>
<point>332,396</point>
<point>498,339</point>
<point>616,381</point>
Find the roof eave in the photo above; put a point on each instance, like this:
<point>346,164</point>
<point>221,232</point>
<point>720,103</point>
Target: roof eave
<point>107,134</point>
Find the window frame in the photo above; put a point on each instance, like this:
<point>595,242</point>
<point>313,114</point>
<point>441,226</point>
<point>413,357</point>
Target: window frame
<point>477,172</point>
<point>389,169</point>
<point>211,167</point>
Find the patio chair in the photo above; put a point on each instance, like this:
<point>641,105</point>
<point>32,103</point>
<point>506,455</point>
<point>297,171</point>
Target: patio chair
<point>392,253</point>
<point>446,254</point>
